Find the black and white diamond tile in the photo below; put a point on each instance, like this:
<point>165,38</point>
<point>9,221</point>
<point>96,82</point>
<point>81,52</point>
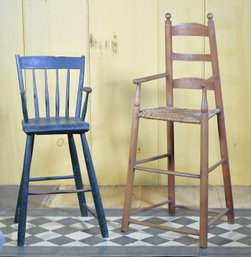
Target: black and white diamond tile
<point>69,231</point>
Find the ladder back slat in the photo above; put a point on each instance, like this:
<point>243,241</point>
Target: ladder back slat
<point>190,83</point>
<point>47,101</point>
<point>67,94</point>
<point>57,101</point>
<point>36,105</point>
<point>190,29</point>
<point>192,57</point>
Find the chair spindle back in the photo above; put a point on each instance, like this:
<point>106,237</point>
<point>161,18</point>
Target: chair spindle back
<point>46,63</point>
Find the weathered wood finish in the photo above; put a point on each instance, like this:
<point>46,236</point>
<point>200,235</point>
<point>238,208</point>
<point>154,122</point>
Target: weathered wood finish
<point>191,57</point>
<point>221,122</point>
<point>57,100</point>
<point>47,98</point>
<point>132,159</point>
<point>191,83</point>
<point>170,114</point>
<point>190,29</point>
<point>164,227</point>
<point>36,106</point>
<point>203,228</point>
<point>67,100</point>
<point>56,124</point>
<point>149,207</point>
<point>170,124</point>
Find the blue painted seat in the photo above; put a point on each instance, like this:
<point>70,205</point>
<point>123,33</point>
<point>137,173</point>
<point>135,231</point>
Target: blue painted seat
<point>55,126</point>
<point>47,72</point>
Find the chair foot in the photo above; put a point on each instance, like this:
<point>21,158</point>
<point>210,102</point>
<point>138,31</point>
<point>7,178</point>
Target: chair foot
<point>125,223</point>
<point>230,217</point>
<point>171,209</point>
<point>95,189</point>
<point>16,219</point>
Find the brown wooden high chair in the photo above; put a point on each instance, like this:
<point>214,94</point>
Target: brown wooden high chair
<point>171,114</point>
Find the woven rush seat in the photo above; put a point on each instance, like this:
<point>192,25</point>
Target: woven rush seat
<point>176,114</point>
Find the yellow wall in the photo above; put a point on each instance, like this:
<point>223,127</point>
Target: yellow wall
<point>123,40</point>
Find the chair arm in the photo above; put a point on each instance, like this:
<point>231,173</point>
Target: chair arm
<point>204,86</point>
<point>149,78</point>
<point>204,102</point>
<point>87,90</point>
<point>210,80</point>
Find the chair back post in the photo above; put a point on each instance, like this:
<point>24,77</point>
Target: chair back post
<point>87,90</point>
<point>169,63</point>
<point>80,88</point>
<point>22,89</point>
<point>215,62</point>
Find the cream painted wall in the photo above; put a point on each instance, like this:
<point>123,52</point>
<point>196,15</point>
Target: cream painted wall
<point>123,40</point>
<point>11,137</point>
<point>234,40</point>
<point>129,53</point>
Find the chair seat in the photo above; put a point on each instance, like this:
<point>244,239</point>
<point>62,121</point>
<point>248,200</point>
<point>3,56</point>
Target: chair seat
<point>176,114</point>
<point>53,125</point>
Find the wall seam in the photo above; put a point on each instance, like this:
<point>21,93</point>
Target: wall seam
<point>23,27</point>
<point>158,86</point>
<point>89,64</point>
<point>204,43</point>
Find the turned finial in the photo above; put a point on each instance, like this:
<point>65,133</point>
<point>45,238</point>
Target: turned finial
<point>168,16</point>
<point>210,16</point>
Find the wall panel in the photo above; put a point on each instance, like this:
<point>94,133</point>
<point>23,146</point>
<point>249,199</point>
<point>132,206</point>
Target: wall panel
<point>124,40</point>
<point>57,28</point>
<point>234,40</point>
<point>11,141</point>
<point>123,47</point>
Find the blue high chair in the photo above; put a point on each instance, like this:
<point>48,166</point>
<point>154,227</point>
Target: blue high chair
<point>55,122</point>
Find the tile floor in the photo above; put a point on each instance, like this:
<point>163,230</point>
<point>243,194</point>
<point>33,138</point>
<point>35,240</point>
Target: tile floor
<point>75,234</point>
<point>68,228</point>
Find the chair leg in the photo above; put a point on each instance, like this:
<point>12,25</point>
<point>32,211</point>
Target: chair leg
<point>77,175</point>
<point>95,189</point>
<point>226,169</point>
<point>18,201</point>
<point>130,172</point>
<point>20,192</point>
<point>203,231</point>
<point>23,199</point>
<point>171,166</point>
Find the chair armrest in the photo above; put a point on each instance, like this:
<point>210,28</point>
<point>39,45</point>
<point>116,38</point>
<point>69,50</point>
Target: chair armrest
<point>87,90</point>
<point>149,78</point>
<point>210,80</point>
<point>204,102</point>
<point>205,86</point>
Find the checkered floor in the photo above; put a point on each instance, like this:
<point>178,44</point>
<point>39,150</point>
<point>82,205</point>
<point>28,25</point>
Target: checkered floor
<point>83,231</point>
<point>67,229</point>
